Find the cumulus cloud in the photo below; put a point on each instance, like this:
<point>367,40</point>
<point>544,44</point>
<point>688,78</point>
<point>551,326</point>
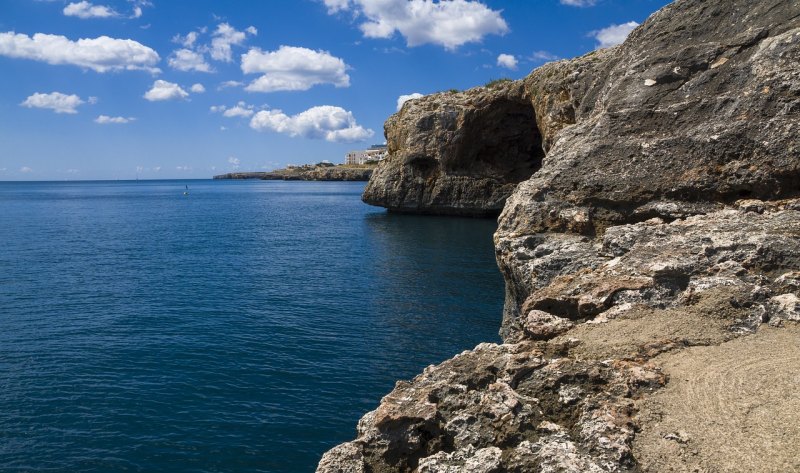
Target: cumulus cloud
<point>86,10</point>
<point>614,34</point>
<point>102,54</point>
<point>446,23</point>
<point>56,101</point>
<point>507,60</point>
<point>234,162</point>
<point>579,3</point>
<point>405,98</point>
<point>163,90</point>
<point>25,169</point>
<point>186,41</point>
<point>293,68</point>
<point>188,60</point>
<point>105,120</point>
<point>197,88</point>
<point>192,56</point>
<point>226,36</point>
<point>241,109</point>
<point>326,122</point>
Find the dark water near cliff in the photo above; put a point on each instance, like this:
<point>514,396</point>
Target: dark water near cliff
<point>245,327</point>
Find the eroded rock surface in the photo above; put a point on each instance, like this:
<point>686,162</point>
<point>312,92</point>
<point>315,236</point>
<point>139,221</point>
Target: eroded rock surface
<point>699,107</point>
<point>655,250</point>
<point>562,393</point>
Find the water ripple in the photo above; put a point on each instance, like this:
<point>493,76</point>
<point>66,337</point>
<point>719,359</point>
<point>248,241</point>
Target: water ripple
<point>244,328</point>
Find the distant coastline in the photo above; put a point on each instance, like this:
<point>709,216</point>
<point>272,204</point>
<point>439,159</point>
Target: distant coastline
<point>308,172</point>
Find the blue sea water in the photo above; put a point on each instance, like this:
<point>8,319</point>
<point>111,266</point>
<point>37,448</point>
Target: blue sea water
<point>244,327</point>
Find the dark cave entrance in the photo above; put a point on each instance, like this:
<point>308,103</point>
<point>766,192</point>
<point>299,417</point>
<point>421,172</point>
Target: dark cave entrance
<point>500,141</point>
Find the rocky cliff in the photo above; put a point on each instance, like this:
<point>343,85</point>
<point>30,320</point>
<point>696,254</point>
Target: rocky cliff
<point>457,153</point>
<point>652,260</point>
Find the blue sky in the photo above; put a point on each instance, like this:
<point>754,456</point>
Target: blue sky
<point>112,89</point>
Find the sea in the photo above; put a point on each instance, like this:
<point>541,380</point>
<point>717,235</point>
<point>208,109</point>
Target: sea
<point>244,326</point>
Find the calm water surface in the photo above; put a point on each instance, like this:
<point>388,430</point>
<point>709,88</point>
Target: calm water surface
<point>245,327</point>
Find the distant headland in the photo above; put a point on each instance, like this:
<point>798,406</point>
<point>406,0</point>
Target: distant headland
<point>323,171</point>
<point>358,166</point>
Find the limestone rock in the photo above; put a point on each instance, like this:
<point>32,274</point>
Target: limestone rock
<point>497,408</point>
<point>662,218</point>
<point>700,136</point>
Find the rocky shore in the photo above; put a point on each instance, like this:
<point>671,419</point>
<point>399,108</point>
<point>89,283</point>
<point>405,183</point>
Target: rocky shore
<point>311,172</point>
<point>650,243</point>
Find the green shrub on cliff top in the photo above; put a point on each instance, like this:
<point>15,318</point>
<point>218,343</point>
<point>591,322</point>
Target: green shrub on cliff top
<point>496,82</point>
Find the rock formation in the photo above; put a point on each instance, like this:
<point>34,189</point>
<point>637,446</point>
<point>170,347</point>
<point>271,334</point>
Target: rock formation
<point>457,153</point>
<point>657,240</point>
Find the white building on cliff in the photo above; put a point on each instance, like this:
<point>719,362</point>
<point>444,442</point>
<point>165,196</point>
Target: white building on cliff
<point>373,154</point>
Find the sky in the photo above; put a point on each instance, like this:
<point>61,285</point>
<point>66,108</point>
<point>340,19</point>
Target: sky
<point>161,89</point>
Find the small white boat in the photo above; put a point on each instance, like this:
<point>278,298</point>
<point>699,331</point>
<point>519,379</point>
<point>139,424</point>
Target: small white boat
<point>186,192</point>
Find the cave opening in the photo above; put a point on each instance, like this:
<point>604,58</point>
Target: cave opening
<point>501,141</point>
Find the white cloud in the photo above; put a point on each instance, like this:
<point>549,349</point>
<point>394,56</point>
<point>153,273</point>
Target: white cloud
<point>507,60</point>
<point>156,168</point>
<point>56,101</point>
<point>579,3</point>
<point>102,54</point>
<point>405,98</point>
<point>226,36</point>
<point>197,88</point>
<point>234,162</point>
<point>230,83</point>
<point>614,34</point>
<point>183,168</point>
<point>446,23</point>
<point>25,169</point>
<point>541,56</point>
<point>192,56</point>
<point>163,90</point>
<point>241,109</point>
<point>137,7</point>
<point>105,120</point>
<point>326,122</point>
<point>335,6</point>
<point>86,10</point>
<point>293,68</point>
<point>188,60</point>
<point>186,41</point>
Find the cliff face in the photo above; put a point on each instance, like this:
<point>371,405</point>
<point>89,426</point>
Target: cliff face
<point>658,238</point>
<point>697,109</point>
